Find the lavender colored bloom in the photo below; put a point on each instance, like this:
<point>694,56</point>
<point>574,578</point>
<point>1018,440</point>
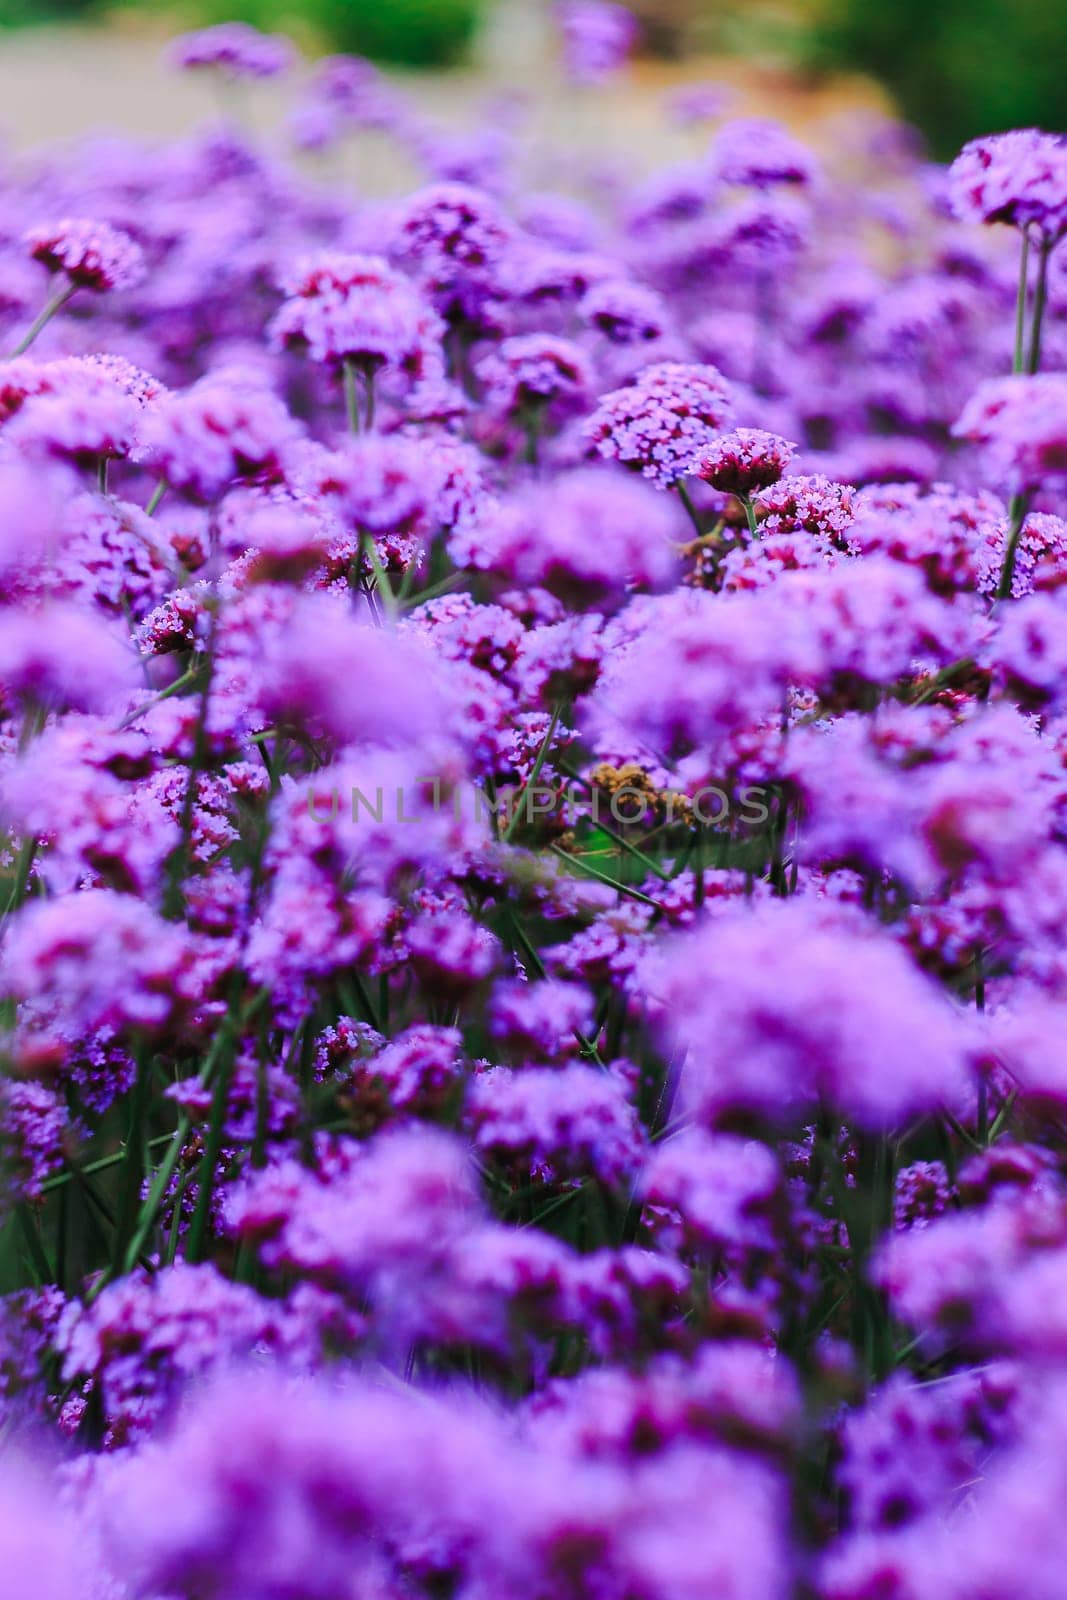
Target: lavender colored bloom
<point>1020,424</point>
<point>357,308</point>
<point>235,49</point>
<point>760,155</point>
<point>585,537</point>
<point>554,1124</point>
<point>915,1447</point>
<point>713,1193</point>
<point>626,313</point>
<point>730,996</point>
<point>661,425</point>
<point>143,1337</point>
<point>597,38</point>
<point>35,1126</point>
<point>1019,178</point>
<point>380,484</point>
<point>309,659</point>
<point>96,959</point>
<point>745,461</point>
<point>456,241</point>
<point>534,371</point>
<point>417,1074</point>
<point>92,255</point>
<point>539,1020</point>
<point>922,1192</point>
<point>44,1553</point>
<point>58,654</point>
<point>221,431</point>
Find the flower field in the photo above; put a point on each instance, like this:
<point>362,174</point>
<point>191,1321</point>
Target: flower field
<point>533,777</point>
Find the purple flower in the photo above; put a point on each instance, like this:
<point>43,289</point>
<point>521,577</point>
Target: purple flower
<point>626,313</point>
<point>585,537</point>
<point>93,255</point>
<point>1020,424</point>
<point>44,1552</point>
<point>357,308</point>
<point>730,996</point>
<point>713,1193</point>
<point>35,1130</point>
<point>418,1073</point>
<point>455,239</point>
<point>554,1124</point>
<point>745,461</point>
<point>145,1336</point>
<point>597,38</point>
<point>223,430</point>
<point>59,654</point>
<point>96,959</point>
<point>758,154</point>
<point>235,49</point>
<point>921,1192</point>
<point>661,425</point>
<point>1019,178</point>
<point>534,371</point>
<point>539,1021</point>
<point>310,658</point>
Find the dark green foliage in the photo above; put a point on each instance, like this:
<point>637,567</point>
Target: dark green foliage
<point>959,68</point>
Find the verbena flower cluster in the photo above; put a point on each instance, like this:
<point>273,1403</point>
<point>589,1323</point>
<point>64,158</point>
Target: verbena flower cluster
<point>445,1154</point>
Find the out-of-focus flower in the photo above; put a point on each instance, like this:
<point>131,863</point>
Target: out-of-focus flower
<point>235,49</point>
<point>597,38</point>
<point>1021,425</point>
<point>92,255</point>
<point>357,308</point>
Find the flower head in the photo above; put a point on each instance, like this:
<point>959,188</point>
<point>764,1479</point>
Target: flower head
<point>236,49</point>
<point>757,154</point>
<point>661,425</point>
<point>745,460</point>
<point>92,254</point>
<point>1020,423</point>
<point>597,37</point>
<point>1019,178</point>
<point>357,308</point>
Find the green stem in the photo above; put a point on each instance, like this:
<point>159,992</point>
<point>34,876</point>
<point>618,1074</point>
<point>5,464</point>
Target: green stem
<point>1020,305</point>
<point>582,865</point>
<point>687,500</point>
<point>133,1175</point>
<point>533,425</point>
<point>174,688</point>
<point>178,864</point>
<point>100,1165</point>
<point>222,1047</point>
<point>42,1267</point>
<point>350,378</point>
<point>157,494</point>
<point>44,317</point>
<point>381,579</point>
<point>1016,518</point>
<point>624,844</point>
<point>750,514</point>
<point>194,1243</point>
<point>27,851</point>
<point>1033,360</point>
<point>535,773</point>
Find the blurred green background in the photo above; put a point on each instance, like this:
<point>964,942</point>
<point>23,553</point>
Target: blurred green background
<point>956,67</point>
